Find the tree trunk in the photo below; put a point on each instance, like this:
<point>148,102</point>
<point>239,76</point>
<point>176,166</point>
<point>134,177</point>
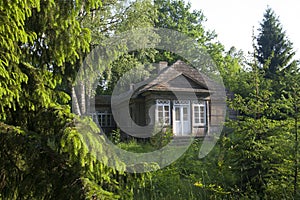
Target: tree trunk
<point>75,105</point>
<point>82,98</point>
<point>88,97</point>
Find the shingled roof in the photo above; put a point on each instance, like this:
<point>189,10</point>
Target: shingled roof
<point>177,77</point>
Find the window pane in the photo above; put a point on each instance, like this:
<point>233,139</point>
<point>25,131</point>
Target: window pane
<point>166,108</point>
<point>202,114</point>
<point>202,117</point>
<point>166,113</point>
<point>196,111</point>
<point>167,120</point>
<point>196,114</point>
<point>177,114</point>
<point>160,116</point>
<point>160,108</point>
<point>185,110</point>
<point>196,108</point>
<point>202,121</point>
<point>185,113</point>
<point>108,120</point>
<point>104,119</point>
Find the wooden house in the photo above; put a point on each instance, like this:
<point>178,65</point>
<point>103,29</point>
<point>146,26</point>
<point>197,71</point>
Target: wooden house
<point>178,97</point>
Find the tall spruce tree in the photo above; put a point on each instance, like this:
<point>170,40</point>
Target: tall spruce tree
<point>44,154</point>
<point>273,46</point>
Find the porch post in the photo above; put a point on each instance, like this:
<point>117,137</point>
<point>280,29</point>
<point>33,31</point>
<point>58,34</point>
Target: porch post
<point>207,117</point>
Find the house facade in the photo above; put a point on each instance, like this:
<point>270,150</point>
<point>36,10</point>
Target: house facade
<point>177,97</point>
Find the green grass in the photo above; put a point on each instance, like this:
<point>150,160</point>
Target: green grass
<point>136,147</point>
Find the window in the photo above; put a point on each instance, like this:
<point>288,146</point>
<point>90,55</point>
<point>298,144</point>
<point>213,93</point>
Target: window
<point>105,119</point>
<point>163,111</point>
<point>199,114</point>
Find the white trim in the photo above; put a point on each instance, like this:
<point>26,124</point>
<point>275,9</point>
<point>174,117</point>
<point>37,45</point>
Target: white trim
<point>107,119</point>
<point>202,115</point>
<point>182,126</point>
<point>163,103</point>
<point>181,102</point>
<point>207,117</point>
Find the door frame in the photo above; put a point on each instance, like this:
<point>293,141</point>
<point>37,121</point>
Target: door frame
<point>185,125</point>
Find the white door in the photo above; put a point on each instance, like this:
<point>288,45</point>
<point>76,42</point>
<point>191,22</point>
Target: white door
<point>181,120</point>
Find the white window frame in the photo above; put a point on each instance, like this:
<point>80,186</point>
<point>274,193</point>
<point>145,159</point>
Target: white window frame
<point>163,103</point>
<point>201,115</point>
<point>108,119</point>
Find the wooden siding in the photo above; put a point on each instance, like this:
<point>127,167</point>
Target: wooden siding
<point>180,79</point>
<point>184,82</point>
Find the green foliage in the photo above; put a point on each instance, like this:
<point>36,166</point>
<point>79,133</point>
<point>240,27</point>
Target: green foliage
<point>230,69</point>
<point>46,152</point>
<point>211,58</point>
<point>257,157</point>
<point>13,32</point>
<point>49,153</point>
<point>115,18</point>
<point>127,69</point>
<point>55,161</point>
<point>258,143</point>
<point>161,138</point>
<point>137,147</point>
<point>260,155</point>
<point>273,46</point>
<point>182,178</point>
<point>115,136</point>
<point>177,15</point>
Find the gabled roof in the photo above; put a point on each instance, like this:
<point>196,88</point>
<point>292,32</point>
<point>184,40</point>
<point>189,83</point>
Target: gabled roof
<point>177,77</point>
<point>169,79</point>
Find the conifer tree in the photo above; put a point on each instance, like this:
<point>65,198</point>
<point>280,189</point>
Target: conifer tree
<point>291,102</point>
<point>44,154</point>
<point>260,151</point>
<point>273,46</point>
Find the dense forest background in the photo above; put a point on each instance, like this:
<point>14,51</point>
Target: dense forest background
<point>44,154</point>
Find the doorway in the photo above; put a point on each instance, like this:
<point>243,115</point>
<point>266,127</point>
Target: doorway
<point>181,119</point>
